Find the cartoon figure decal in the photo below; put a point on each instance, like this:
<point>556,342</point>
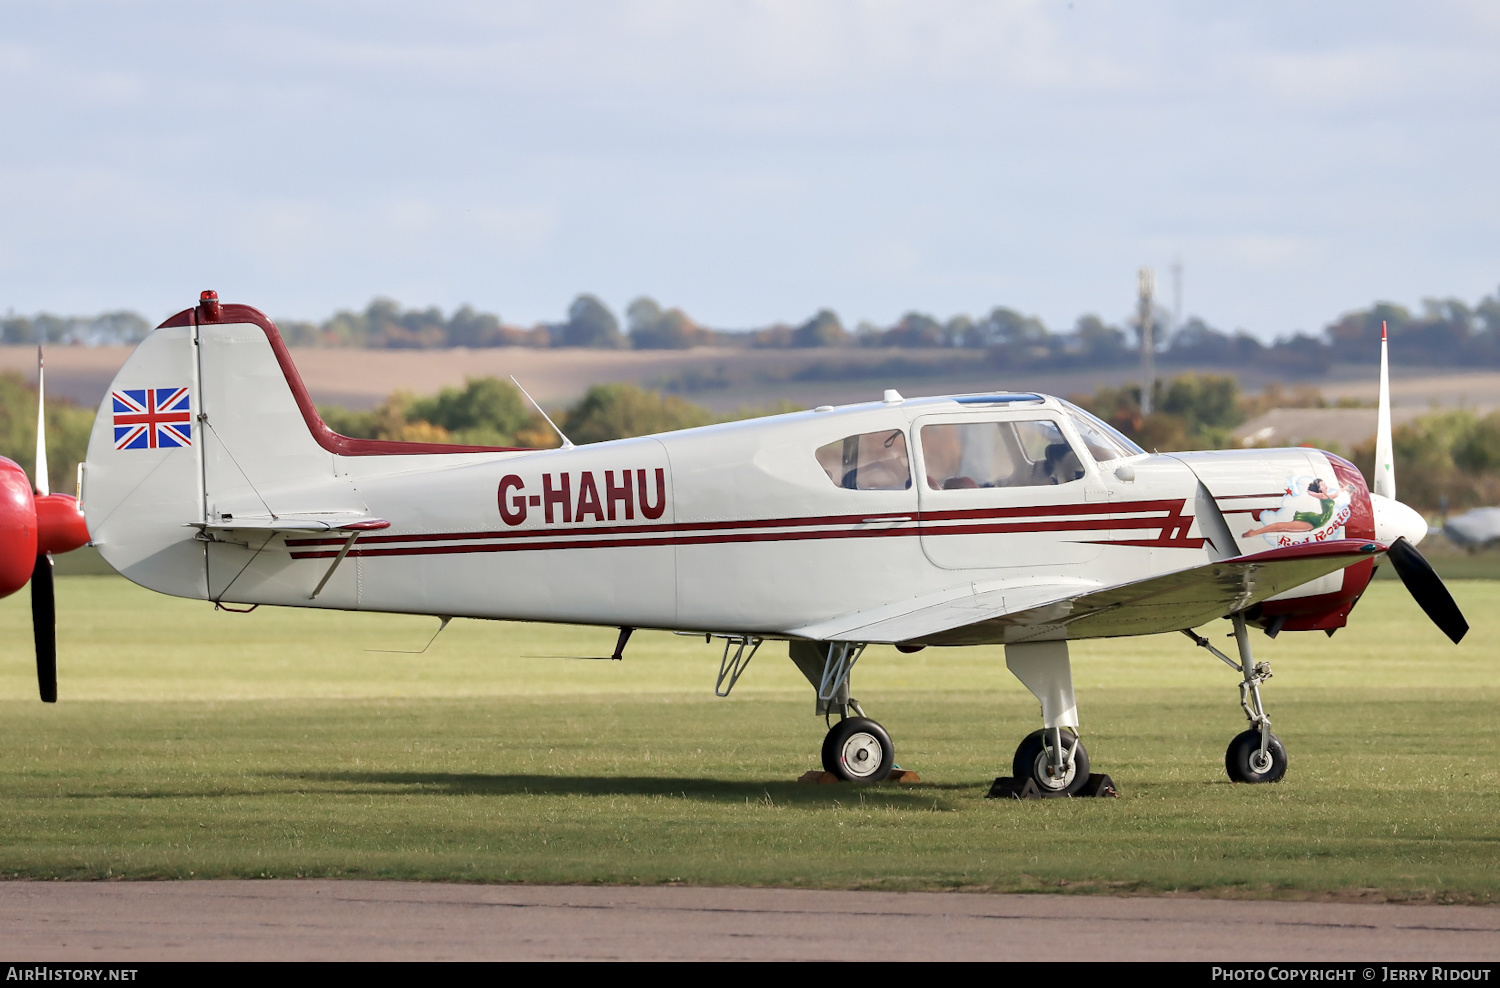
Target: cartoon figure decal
<point>1312,510</point>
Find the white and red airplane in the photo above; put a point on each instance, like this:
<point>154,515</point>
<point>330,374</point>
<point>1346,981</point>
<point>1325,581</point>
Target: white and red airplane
<point>1005,518</point>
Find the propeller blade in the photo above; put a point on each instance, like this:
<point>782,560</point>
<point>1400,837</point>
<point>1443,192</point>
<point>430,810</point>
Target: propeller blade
<point>44,627</point>
<point>1385,458</point>
<point>1427,589</point>
<point>42,482</point>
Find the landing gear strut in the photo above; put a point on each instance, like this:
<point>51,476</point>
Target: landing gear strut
<point>856,748</point>
<point>1052,758</point>
<point>1255,755</point>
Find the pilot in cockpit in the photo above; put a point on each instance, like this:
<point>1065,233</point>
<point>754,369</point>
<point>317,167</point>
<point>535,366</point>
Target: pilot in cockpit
<point>1062,465</point>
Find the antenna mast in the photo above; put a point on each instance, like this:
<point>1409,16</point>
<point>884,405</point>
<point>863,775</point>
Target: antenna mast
<point>1147,282</point>
<point>1176,294</point>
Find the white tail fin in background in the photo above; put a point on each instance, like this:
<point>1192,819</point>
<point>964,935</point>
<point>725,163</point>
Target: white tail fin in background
<point>1385,461</point>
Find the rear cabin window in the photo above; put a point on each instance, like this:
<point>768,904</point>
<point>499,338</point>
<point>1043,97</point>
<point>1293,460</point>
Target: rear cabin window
<point>874,461</point>
<point>972,455</point>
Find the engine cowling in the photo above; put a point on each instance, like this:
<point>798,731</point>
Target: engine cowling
<point>32,524</point>
<point>1329,611</point>
<point>59,523</point>
<point>18,528</point>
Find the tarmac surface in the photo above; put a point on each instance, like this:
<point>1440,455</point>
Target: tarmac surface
<point>354,920</point>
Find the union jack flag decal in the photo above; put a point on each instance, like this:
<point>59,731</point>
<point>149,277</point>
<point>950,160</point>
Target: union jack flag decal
<point>152,418</point>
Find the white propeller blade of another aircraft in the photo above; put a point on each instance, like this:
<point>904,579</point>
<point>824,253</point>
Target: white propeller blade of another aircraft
<point>1385,459</point>
<point>42,484</point>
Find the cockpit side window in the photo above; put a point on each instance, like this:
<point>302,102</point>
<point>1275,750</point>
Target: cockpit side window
<point>874,461</point>
<point>1010,453</point>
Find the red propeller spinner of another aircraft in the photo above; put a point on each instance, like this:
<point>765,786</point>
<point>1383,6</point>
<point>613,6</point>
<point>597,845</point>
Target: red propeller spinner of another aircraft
<point>34,524</point>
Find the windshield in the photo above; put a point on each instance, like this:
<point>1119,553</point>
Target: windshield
<point>1009,453</point>
<point>1102,439</point>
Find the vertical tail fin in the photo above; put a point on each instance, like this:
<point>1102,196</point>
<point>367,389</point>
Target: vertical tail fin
<point>208,422</point>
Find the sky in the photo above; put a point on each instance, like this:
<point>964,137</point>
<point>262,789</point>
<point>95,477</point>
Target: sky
<point>751,162</point>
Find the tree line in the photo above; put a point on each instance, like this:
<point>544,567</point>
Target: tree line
<point>1448,460</point>
<point>1442,332</point>
<point>487,411</point>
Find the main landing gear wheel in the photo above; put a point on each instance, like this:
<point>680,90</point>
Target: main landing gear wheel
<point>858,750</point>
<point>1032,762</point>
<point>1245,762</point>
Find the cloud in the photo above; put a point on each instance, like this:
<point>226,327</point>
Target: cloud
<point>754,158</point>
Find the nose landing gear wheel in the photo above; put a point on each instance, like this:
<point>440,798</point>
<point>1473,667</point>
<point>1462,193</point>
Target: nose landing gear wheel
<point>858,750</point>
<point>1031,762</point>
<point>1245,763</point>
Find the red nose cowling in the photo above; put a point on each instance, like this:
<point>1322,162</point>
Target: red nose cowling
<point>1329,611</point>
<point>31,525</point>
<point>17,528</point>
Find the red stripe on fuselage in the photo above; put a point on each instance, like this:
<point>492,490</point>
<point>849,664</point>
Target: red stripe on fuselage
<point>1105,512</point>
<point>967,522</point>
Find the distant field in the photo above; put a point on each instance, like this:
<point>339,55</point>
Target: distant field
<point>754,378</point>
<point>190,743</point>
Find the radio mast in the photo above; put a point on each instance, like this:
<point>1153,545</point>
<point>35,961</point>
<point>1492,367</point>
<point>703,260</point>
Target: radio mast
<point>1147,280</point>
<point>1176,294</point>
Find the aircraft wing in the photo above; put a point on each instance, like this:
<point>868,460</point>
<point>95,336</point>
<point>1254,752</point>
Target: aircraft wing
<point>1077,609</point>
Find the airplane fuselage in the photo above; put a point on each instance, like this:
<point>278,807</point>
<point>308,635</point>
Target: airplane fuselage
<point>772,526</point>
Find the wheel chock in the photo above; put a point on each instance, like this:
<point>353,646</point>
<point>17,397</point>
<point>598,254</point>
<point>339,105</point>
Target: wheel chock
<point>822,778</point>
<point>1007,787</point>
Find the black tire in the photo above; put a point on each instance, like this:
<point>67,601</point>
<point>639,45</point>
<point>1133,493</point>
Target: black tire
<point>1031,763</point>
<point>858,750</point>
<point>1244,750</point>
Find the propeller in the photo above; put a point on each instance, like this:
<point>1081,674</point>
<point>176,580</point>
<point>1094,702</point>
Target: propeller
<point>32,527</point>
<point>1427,589</point>
<point>1385,458</point>
<point>34,524</point>
<point>43,592</point>
<point>44,626</point>
<point>1394,521</point>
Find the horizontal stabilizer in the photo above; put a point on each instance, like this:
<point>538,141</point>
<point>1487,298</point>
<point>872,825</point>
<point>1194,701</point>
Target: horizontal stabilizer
<point>331,522</point>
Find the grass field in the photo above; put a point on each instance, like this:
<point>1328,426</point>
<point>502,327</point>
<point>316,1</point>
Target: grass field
<point>194,744</point>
